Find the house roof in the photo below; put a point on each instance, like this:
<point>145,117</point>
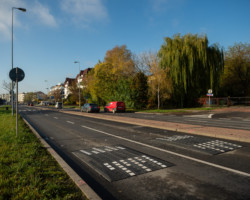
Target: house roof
<point>69,80</point>
<point>84,72</point>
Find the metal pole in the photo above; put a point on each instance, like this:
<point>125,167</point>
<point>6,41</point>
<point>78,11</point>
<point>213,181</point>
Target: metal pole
<point>79,87</point>
<point>12,93</point>
<point>16,102</point>
<point>12,86</point>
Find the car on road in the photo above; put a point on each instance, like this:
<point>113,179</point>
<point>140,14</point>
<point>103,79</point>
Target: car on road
<point>90,107</point>
<point>115,106</point>
<point>58,105</point>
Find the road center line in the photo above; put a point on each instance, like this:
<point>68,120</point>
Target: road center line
<point>70,122</point>
<point>173,153</point>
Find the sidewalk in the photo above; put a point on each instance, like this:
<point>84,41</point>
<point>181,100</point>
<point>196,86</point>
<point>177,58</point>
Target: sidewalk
<point>224,133</point>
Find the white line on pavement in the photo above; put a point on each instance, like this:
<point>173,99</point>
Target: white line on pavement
<point>173,153</point>
<point>70,122</point>
<point>56,117</point>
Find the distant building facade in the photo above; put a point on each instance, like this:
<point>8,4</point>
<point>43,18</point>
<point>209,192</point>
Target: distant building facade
<point>80,81</point>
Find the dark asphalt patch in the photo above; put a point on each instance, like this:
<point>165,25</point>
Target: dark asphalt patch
<point>208,145</point>
<point>119,162</point>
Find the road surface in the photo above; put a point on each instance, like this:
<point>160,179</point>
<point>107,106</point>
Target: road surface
<point>126,161</point>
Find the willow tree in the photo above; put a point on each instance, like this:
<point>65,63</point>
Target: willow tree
<point>194,66</point>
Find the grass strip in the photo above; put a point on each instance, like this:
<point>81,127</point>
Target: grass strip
<point>27,170</point>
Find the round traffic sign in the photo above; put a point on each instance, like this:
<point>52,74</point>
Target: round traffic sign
<point>16,74</point>
<point>210,91</point>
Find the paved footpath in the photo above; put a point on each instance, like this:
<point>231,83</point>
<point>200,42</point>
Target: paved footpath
<point>225,133</point>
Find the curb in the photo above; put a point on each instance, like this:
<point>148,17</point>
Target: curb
<point>224,133</point>
<point>80,183</point>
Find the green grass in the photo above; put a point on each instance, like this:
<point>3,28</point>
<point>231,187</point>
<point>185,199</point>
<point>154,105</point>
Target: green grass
<point>27,170</point>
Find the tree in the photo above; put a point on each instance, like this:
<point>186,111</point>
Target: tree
<point>74,93</point>
<point>139,87</point>
<point>29,97</point>
<point>111,79</point>
<point>236,77</point>
<point>121,60</point>
<point>57,95</point>
<point>194,66</point>
<point>160,85</point>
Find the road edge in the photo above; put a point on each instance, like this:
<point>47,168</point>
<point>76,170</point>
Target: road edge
<point>80,183</point>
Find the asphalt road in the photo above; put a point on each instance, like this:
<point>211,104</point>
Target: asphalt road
<point>231,120</point>
<point>124,161</point>
<point>234,120</point>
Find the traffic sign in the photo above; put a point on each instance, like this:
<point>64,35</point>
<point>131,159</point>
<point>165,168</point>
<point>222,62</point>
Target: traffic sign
<point>16,74</point>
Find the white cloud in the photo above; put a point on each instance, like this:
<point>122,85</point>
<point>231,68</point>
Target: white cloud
<point>39,14</point>
<point>85,11</point>
<point>5,17</point>
<point>42,13</point>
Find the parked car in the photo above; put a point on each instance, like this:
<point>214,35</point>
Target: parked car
<point>115,106</point>
<point>58,105</point>
<point>90,107</point>
<point>30,104</point>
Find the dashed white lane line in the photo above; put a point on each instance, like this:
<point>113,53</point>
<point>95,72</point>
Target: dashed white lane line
<point>173,153</point>
<point>56,117</point>
<point>70,122</point>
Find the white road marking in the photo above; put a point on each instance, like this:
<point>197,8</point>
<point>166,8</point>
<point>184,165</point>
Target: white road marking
<point>86,152</point>
<point>56,117</point>
<point>70,122</point>
<point>171,152</point>
<point>210,115</point>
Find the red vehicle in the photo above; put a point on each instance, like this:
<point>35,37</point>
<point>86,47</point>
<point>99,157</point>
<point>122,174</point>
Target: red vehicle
<point>115,106</point>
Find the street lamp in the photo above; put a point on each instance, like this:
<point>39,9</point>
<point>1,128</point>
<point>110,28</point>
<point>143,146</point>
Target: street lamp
<point>79,84</point>
<point>12,93</point>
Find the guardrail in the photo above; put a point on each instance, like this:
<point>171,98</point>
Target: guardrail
<point>224,101</point>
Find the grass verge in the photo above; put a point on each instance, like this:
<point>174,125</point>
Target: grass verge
<point>27,170</point>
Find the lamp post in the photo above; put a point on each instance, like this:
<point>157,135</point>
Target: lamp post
<point>79,84</point>
<point>12,93</point>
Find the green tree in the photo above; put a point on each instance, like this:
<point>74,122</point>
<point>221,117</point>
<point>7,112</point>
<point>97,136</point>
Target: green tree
<point>111,79</point>
<point>139,87</point>
<point>236,77</point>
<point>29,97</point>
<point>194,66</point>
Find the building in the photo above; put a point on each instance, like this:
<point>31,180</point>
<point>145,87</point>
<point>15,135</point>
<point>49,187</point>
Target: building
<point>80,80</point>
<point>21,97</point>
<point>5,97</point>
<point>67,84</point>
<point>82,76</point>
<point>57,92</point>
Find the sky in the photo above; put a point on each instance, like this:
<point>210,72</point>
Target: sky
<point>52,34</point>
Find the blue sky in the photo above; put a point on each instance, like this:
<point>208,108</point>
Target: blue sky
<point>52,34</point>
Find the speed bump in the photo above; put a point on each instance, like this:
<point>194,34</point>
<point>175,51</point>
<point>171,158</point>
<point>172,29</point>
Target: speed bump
<point>119,162</point>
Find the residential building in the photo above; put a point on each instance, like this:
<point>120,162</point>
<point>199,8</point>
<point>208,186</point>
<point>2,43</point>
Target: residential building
<point>5,97</point>
<point>21,97</point>
<point>67,84</point>
<point>80,80</point>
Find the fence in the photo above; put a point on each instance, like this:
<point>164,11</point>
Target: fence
<point>224,101</point>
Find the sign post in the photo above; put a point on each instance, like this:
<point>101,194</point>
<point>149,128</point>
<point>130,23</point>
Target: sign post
<point>209,94</point>
<point>16,75</point>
